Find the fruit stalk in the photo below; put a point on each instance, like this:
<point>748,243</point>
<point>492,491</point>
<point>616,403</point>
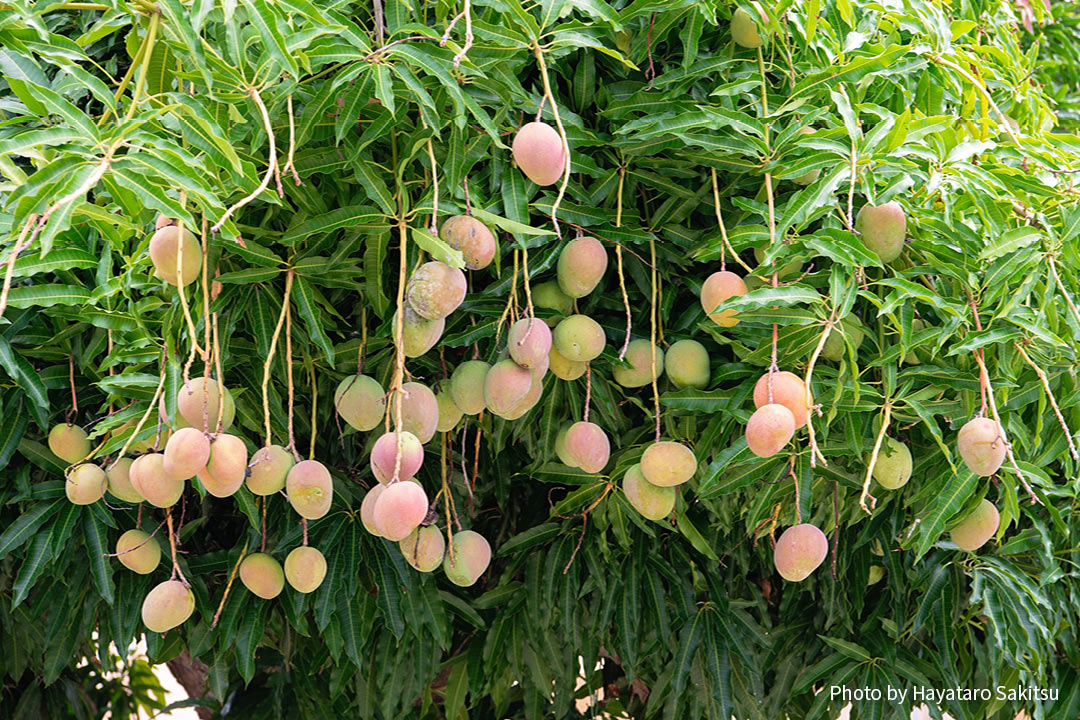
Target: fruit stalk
<point>886,416</point>
<point>270,354</point>
<point>562,135</point>
<point>228,585</point>
<point>815,453</point>
<point>619,263</point>
<point>271,165</point>
<point>149,409</point>
<point>1053,401</point>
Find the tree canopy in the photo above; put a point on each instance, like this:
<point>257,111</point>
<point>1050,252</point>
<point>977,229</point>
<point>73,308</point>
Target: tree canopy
<point>314,150</point>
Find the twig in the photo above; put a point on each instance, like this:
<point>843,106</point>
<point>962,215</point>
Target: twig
<point>1053,273</point>
<point>850,219</point>
<point>172,547</point>
<point>289,379</point>
<point>810,407</point>
<point>588,391</point>
<point>652,333</point>
<point>270,353</point>
<point>619,264</point>
<point>886,415</point>
<point>289,166</point>
<point>396,384</point>
<point>270,167</point>
<point>1053,401</point>
<point>19,246</point>
<point>228,585</point>
<point>726,244</point>
<point>562,135</point>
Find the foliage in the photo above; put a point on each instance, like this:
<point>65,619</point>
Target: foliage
<point>103,128</point>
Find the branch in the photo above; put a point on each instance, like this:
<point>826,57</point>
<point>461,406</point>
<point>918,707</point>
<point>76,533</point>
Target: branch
<point>270,167</point>
<point>1053,401</point>
<point>885,417</point>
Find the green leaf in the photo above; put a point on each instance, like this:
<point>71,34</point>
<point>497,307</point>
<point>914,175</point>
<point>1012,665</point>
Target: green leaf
<point>437,248</point>
<point>100,569</point>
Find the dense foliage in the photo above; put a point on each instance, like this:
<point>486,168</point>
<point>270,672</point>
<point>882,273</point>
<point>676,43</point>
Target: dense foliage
<point>114,113</point>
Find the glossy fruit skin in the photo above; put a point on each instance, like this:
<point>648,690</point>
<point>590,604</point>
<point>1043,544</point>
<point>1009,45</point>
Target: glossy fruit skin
<point>150,480</point>
<point>186,453</point>
<point>581,266</point>
<point>367,508</point>
<point>579,338</point>
<point>769,429</point>
<point>667,463</point>
<point>717,288</point>
<point>310,489</point>
<point>262,575</point>
<point>361,402</point>
<point>138,551</point>
<point>471,557</point>
<point>652,501</point>
<point>305,569</point>
<point>976,529</point>
<point>70,443</point>
<point>587,444</point>
<point>882,229</point>
<point>788,389</point>
<point>163,248</point>
<point>799,551</point>
<point>168,605</point>
<point>384,456</point>
<point>424,548</point>
<point>268,469</point>
<point>893,467</point>
<point>539,153</point>
<point>981,446</point>
<point>227,467</point>
<point>686,364</point>
<point>191,398</point>
<point>400,509</point>
<point>85,484</point>
<point>639,354</point>
<point>419,411</point>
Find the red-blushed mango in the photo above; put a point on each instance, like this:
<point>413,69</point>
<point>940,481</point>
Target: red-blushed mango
<point>262,575</point>
<point>168,605</point>
<point>578,338</point>
<point>882,229</point>
<point>268,469</point>
<point>981,446</point>
<point>227,466</point>
<point>652,501</point>
<point>186,453</point>
<point>528,402</point>
<point>788,389</point>
<point>744,30</point>
<point>191,398</point>
<point>562,368</point>
<point>419,411</point>
<point>472,238</point>
<point>667,463</point>
<point>467,386</point>
<point>70,443</point>
<point>384,456</point>
<point>435,290</point>
<point>549,295</point>
<point>977,528</point>
<point>581,266</point>
<point>367,508</point>
<point>769,429</point>
<point>687,364</point>
<point>164,244</point>
<point>799,551</point>
<point>529,342</point>
<point>85,484</point>
<point>305,569</point>
<point>138,551</point>
<point>119,480</point>
<point>639,355</point>
<point>538,151</point>
<point>418,333</point>
<point>561,450</point>
<point>587,445</point>
<point>835,346</point>
<point>449,413</point>
<point>310,489</point>
<point>893,467</point>
<point>717,288</point>
<point>470,558</point>
<point>400,509</point>
<point>424,548</point>
<point>150,480</point>
<point>506,385</point>
<point>360,401</point>
<point>163,220</point>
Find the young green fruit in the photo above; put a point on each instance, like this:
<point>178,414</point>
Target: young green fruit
<point>893,467</point>
<point>882,229</point>
<point>687,364</point>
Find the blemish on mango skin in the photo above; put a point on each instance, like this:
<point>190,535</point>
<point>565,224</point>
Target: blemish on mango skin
<point>435,290</point>
<point>310,489</point>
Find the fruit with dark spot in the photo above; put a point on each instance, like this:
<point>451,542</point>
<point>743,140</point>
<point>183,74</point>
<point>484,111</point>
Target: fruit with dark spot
<point>419,334</point>
<point>423,548</point>
<point>529,342</point>
<point>472,238</point>
<point>579,338</point>
<point>435,290</point>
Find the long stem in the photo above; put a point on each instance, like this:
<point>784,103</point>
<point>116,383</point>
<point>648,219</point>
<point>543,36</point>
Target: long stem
<point>810,407</point>
<point>270,354</point>
<point>271,165</point>
<point>886,415</point>
<point>1053,273</point>
<point>1053,401</point>
<point>619,265</point>
<point>562,135</point>
<point>396,385</point>
<point>149,409</point>
<point>652,333</point>
<point>151,36</point>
